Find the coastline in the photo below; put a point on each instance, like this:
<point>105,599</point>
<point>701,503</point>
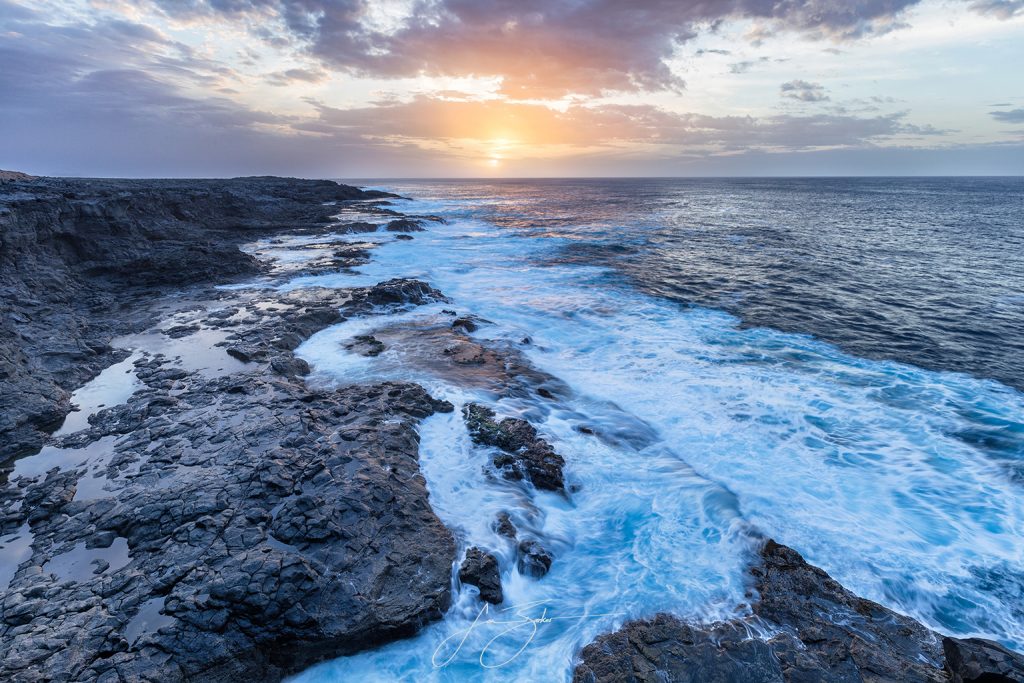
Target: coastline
<point>231,544</point>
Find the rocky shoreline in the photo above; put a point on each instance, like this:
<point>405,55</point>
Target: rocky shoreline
<point>225,519</point>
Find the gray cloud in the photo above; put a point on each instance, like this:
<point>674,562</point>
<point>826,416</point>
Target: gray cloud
<point>118,98</point>
<point>290,76</point>
<point>804,91</point>
<point>429,119</point>
<point>540,48</point>
<point>1011,116</point>
<point>1003,9</point>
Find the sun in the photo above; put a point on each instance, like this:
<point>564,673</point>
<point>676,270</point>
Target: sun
<point>494,162</point>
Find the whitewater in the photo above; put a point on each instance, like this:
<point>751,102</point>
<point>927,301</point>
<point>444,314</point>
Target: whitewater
<point>689,438</point>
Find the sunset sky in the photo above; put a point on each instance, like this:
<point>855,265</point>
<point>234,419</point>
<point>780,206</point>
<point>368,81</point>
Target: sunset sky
<point>442,88</point>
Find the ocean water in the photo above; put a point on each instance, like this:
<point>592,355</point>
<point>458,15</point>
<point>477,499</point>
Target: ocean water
<point>830,363</point>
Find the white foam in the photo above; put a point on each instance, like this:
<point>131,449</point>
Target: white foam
<point>855,463</point>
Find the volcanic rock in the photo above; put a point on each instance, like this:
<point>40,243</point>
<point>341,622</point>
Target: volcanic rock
<point>480,569</point>
<point>524,454</point>
<point>534,560</point>
<point>822,632</point>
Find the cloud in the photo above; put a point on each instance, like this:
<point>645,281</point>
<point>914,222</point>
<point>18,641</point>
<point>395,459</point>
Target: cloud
<point>427,120</point>
<point>1002,9</point>
<point>1011,116</point>
<point>804,91</point>
<point>95,95</point>
<point>540,48</point>
<point>291,76</point>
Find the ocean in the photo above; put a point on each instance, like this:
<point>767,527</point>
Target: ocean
<point>832,363</point>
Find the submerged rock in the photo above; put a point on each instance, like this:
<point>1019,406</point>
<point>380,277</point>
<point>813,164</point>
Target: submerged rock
<point>366,345</point>
<point>504,526</point>
<point>468,323</point>
<point>534,560</point>
<point>465,352</point>
<point>525,455</point>
<point>480,569</point>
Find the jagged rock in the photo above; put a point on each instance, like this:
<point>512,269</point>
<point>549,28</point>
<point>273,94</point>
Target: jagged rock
<point>391,295</point>
<point>524,456</point>
<point>825,633</point>
<point>260,524</point>
<point>405,225</point>
<point>534,560</point>
<point>15,176</point>
<point>179,331</point>
<point>358,226</point>
<point>468,323</point>
<point>504,526</point>
<point>975,660</point>
<point>81,260</point>
<point>480,569</point>
<point>464,352</point>
<point>403,237</point>
<point>366,345</point>
<point>278,526</point>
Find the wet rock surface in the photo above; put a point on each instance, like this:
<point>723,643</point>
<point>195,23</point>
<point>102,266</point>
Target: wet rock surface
<point>264,525</point>
<point>481,569</point>
<point>405,225</point>
<point>975,660</point>
<point>390,296</point>
<point>278,526</point>
<point>524,454</point>
<point>220,524</point>
<point>366,345</point>
<point>80,260</point>
<point>805,627</point>
<point>533,560</point>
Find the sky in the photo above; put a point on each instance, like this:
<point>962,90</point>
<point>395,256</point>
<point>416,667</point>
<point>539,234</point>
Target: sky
<point>513,88</point>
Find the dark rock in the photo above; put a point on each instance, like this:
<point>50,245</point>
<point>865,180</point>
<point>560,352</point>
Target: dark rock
<point>290,367</point>
<point>480,569</point>
<point>288,526</point>
<point>545,393</point>
<point>365,345</point>
<point>504,526</point>
<point>358,226</point>
<point>179,331</point>
<point>974,660</point>
<point>824,633</point>
<point>391,295</point>
<point>466,323</point>
<point>524,456</point>
<point>403,237</point>
<point>263,524</point>
<point>405,225</point>
<point>464,352</point>
<point>534,560</point>
<point>273,332</point>
<point>81,259</point>
<point>245,354</point>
